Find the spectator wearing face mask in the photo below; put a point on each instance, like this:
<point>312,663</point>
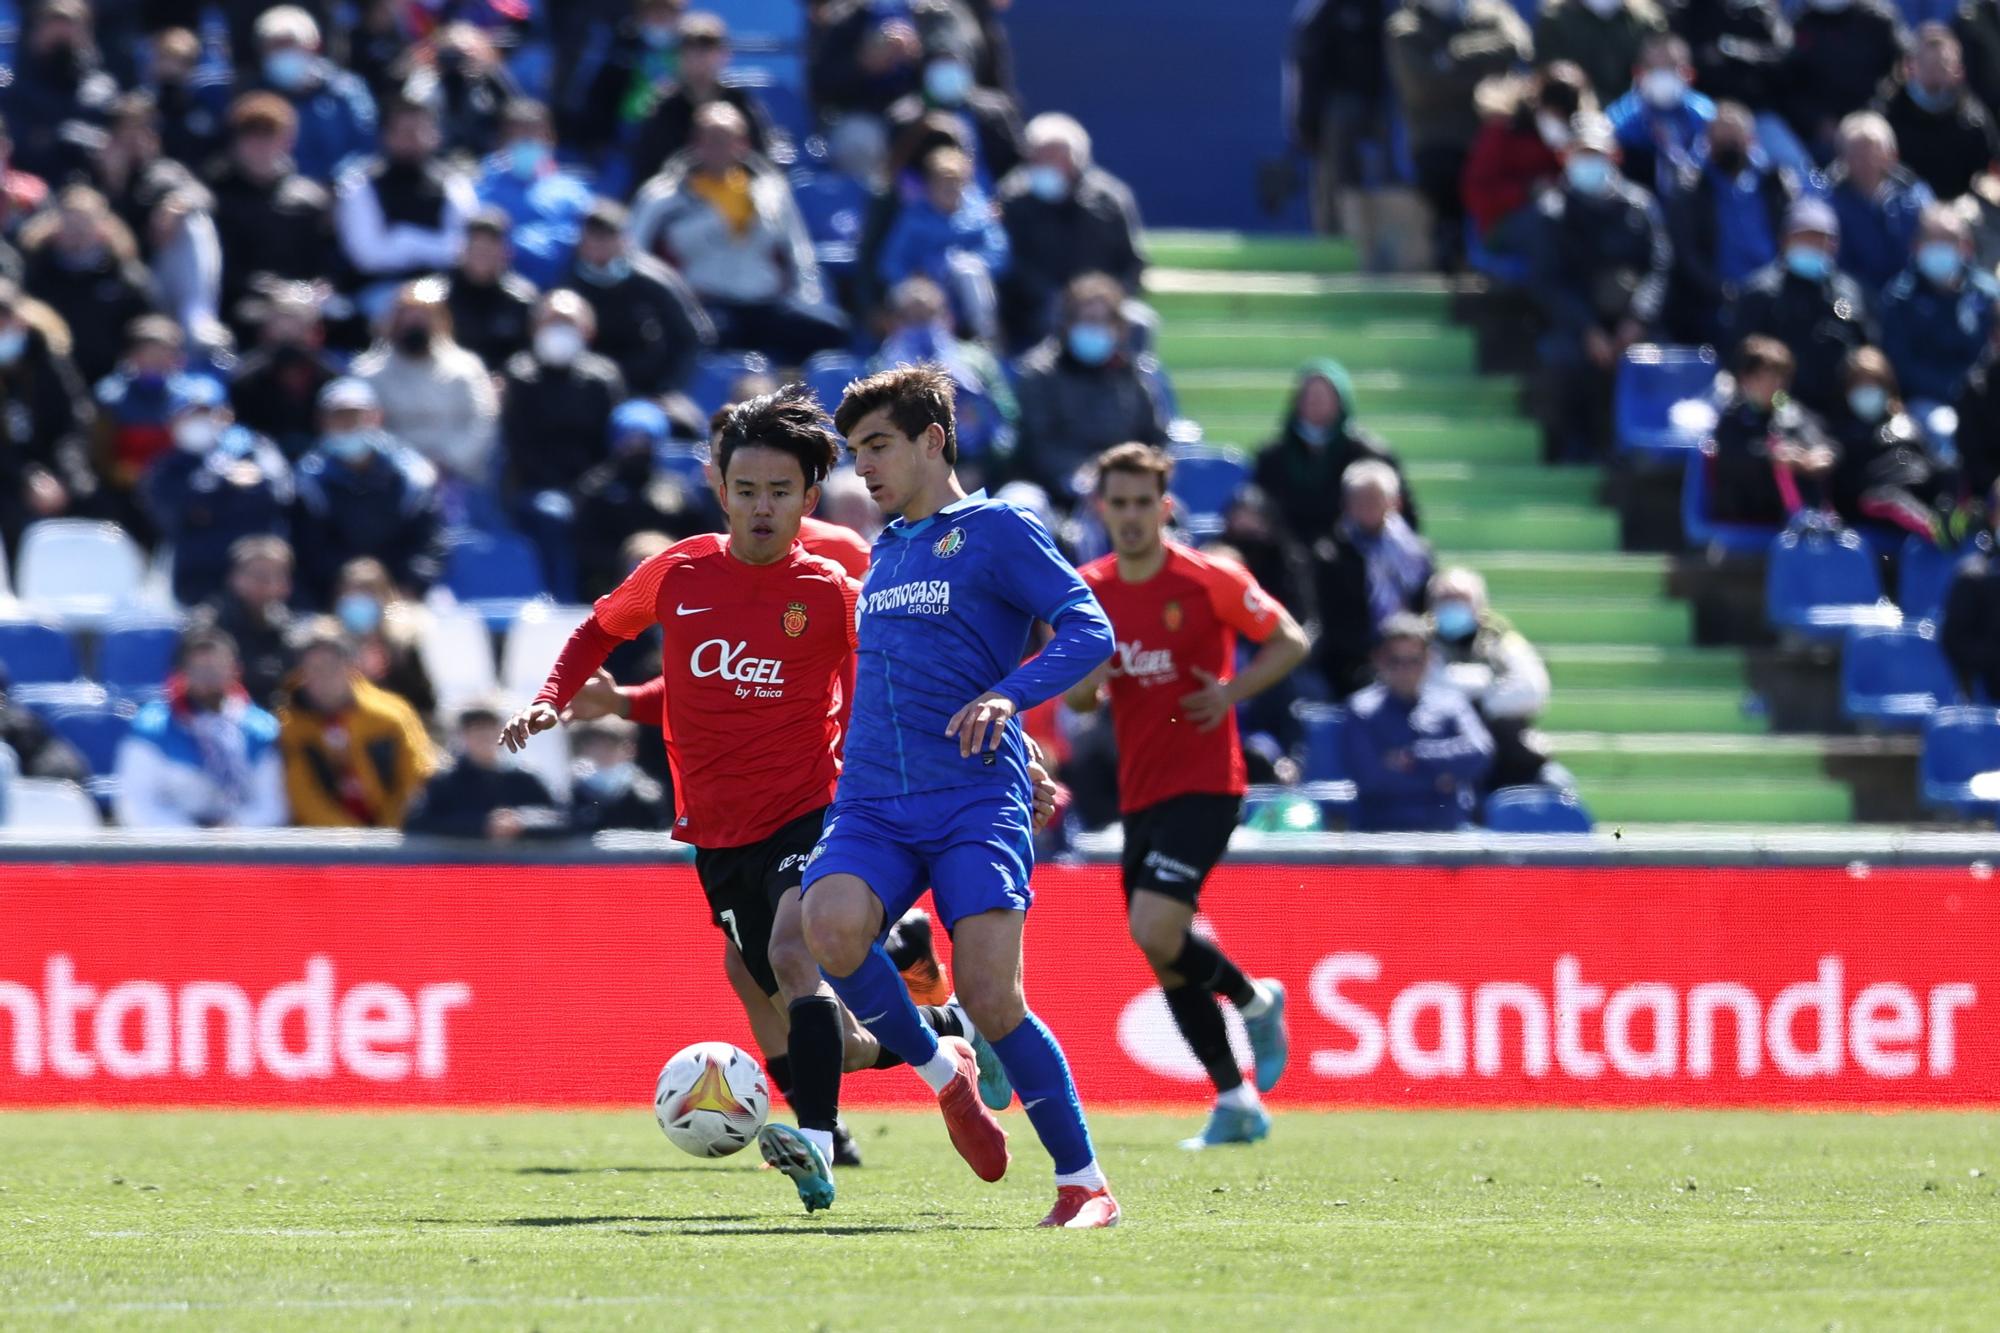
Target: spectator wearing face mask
<point>1338,107</point>
<point>218,484</point>
<point>1083,390</point>
<point>544,206</point>
<point>402,215</point>
<point>132,413</point>
<point>193,101</point>
<point>1440,51</point>
<point>458,74</point>
<point>649,323</point>
<point>59,82</point>
<point>1876,200</point>
<point>83,262</point>
<point>1518,153</point>
<point>1725,214</point>
<point>1600,267</point>
<point>1659,122</point>
<point>481,795</point>
<point>204,756</point>
<point>669,125</point>
<point>559,399</point>
<point>1606,39</point>
<point>273,224</point>
<point>363,492</point>
<point>355,755</point>
<point>490,303</point>
<point>46,467</point>
<point>130,170</point>
<point>863,58</point>
<point>1370,567</point>
<point>1948,135</point>
<point>1841,52</point>
<point>1476,651</point>
<point>382,627</point>
<point>629,493</point>
<point>1415,746</point>
<point>611,791</point>
<point>949,87</point>
<point>1937,316</point>
<point>1065,216</point>
<point>985,408</point>
<point>436,397</point>
<point>1887,474</point>
<point>1806,303</point>
<point>643,55</point>
<point>254,609</point>
<point>275,391</point>
<point>1772,456</point>
<point>952,237</point>
<point>333,110</point>
<point>1301,469</point>
<point>1971,633</point>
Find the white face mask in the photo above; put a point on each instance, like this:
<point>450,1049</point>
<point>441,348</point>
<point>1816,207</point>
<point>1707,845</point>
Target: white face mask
<point>1662,88</point>
<point>558,344</point>
<point>1553,129</point>
<point>197,435</point>
<point>1604,9</point>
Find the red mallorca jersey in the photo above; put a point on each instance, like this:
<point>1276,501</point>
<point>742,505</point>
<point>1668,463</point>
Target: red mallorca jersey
<point>752,657</point>
<point>842,545</point>
<point>1188,615</point>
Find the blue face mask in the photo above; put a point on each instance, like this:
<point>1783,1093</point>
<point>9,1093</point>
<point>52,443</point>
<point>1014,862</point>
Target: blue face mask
<point>288,69</point>
<point>348,445</point>
<point>1311,434</point>
<point>947,82</point>
<point>1868,401</point>
<point>1932,101</point>
<point>1092,344</point>
<point>605,274</point>
<point>1456,621</point>
<point>359,612</point>
<point>1940,262</point>
<point>12,343</point>
<point>526,156</point>
<point>1808,262</point>
<point>1048,184</point>
<point>1588,173</point>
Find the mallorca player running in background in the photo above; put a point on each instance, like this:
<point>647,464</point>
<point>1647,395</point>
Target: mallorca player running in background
<point>1181,775</point>
<point>935,792</point>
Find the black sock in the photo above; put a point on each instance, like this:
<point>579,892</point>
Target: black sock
<point>941,1019</point>
<point>1203,964</point>
<point>1199,1018</point>
<point>779,1067</point>
<point>816,1055</point>
<point>908,942</point>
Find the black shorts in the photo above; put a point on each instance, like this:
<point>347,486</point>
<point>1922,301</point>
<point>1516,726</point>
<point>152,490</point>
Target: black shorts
<point>744,884</point>
<point>1170,847</point>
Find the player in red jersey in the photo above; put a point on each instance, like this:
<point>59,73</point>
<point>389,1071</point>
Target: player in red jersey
<point>1176,614</point>
<point>758,635</point>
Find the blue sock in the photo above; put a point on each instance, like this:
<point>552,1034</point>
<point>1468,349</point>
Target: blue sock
<point>875,994</point>
<point>1040,1074</point>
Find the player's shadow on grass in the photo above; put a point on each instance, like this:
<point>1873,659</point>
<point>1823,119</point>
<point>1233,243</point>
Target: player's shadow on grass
<point>805,1228</point>
<point>606,1170</point>
<point>597,1220</point>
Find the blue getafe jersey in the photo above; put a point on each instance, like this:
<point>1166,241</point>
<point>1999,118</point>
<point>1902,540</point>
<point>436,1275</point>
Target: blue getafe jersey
<point>944,616</point>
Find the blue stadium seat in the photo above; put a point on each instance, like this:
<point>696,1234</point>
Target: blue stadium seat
<point>33,651</point>
<point>1535,808</point>
<point>716,372</point>
<point>761,22</point>
<point>1923,577</point>
<point>1207,477</point>
<point>834,207</point>
<point>828,375</point>
<point>134,659</point>
<point>784,100</point>
<point>493,567</point>
<point>1652,382</point>
<point>1513,270</point>
<point>1323,723</point>
<point>95,732</point>
<point>1961,763</point>
<point>1821,584</point>
<point>1895,677</point>
<point>1702,532</point>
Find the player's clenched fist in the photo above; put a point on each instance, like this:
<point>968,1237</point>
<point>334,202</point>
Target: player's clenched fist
<point>981,724</point>
<point>530,721</point>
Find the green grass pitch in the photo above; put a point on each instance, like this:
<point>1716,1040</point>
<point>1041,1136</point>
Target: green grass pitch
<point>559,1221</point>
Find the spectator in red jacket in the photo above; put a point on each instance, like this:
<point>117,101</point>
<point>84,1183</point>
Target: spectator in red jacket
<point>1519,150</point>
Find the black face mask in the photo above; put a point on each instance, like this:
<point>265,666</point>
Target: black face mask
<point>1730,159</point>
<point>414,341</point>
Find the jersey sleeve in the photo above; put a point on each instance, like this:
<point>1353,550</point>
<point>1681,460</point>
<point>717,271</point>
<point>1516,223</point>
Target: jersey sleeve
<point>1032,572</point>
<point>629,609</point>
<point>1039,581</point>
<point>1238,601</point>
<point>850,602</point>
<point>647,704</point>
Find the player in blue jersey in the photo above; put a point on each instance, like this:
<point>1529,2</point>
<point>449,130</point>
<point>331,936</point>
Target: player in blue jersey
<point>935,792</point>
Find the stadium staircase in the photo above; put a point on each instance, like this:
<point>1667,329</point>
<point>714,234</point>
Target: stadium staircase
<point>1656,728</point>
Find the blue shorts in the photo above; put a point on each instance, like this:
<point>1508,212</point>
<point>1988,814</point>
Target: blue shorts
<point>972,847</point>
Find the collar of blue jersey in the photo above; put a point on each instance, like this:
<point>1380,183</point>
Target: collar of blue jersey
<point>899,528</point>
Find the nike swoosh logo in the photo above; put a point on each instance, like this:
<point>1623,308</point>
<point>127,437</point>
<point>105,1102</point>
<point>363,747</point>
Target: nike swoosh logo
<point>1029,1106</point>
<point>875,1018</point>
<point>691,610</point>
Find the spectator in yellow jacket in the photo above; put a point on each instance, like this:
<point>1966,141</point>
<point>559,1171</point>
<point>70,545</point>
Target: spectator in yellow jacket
<point>355,755</point>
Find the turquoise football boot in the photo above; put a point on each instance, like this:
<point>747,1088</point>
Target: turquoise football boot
<point>1231,1124</point>
<point>1269,1042</point>
<point>800,1159</point>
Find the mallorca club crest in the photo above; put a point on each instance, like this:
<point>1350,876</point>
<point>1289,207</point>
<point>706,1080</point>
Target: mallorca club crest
<point>795,620</point>
<point>1171,613</point>
<point>949,545</point>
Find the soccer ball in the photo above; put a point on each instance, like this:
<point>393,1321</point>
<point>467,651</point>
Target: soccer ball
<point>711,1099</point>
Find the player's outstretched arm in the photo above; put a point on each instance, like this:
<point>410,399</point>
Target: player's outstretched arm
<point>1087,695</point>
<point>536,718</point>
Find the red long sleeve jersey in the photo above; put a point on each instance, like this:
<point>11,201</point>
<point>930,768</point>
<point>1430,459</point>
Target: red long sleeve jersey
<point>753,657</point>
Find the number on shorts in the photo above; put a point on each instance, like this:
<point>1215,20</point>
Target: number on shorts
<point>729,924</point>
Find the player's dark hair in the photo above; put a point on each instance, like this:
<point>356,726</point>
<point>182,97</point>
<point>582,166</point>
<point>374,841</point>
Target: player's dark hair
<point>916,398</point>
<point>207,640</point>
<point>790,421</point>
<point>1137,460</point>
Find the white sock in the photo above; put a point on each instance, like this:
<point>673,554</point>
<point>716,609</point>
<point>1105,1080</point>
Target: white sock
<point>822,1139</point>
<point>939,1071</point>
<point>1091,1178</point>
<point>1258,1007</point>
<point>1242,1097</point>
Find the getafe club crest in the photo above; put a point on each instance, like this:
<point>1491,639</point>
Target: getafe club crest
<point>1172,615</point>
<point>950,544</point>
<point>795,620</point>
